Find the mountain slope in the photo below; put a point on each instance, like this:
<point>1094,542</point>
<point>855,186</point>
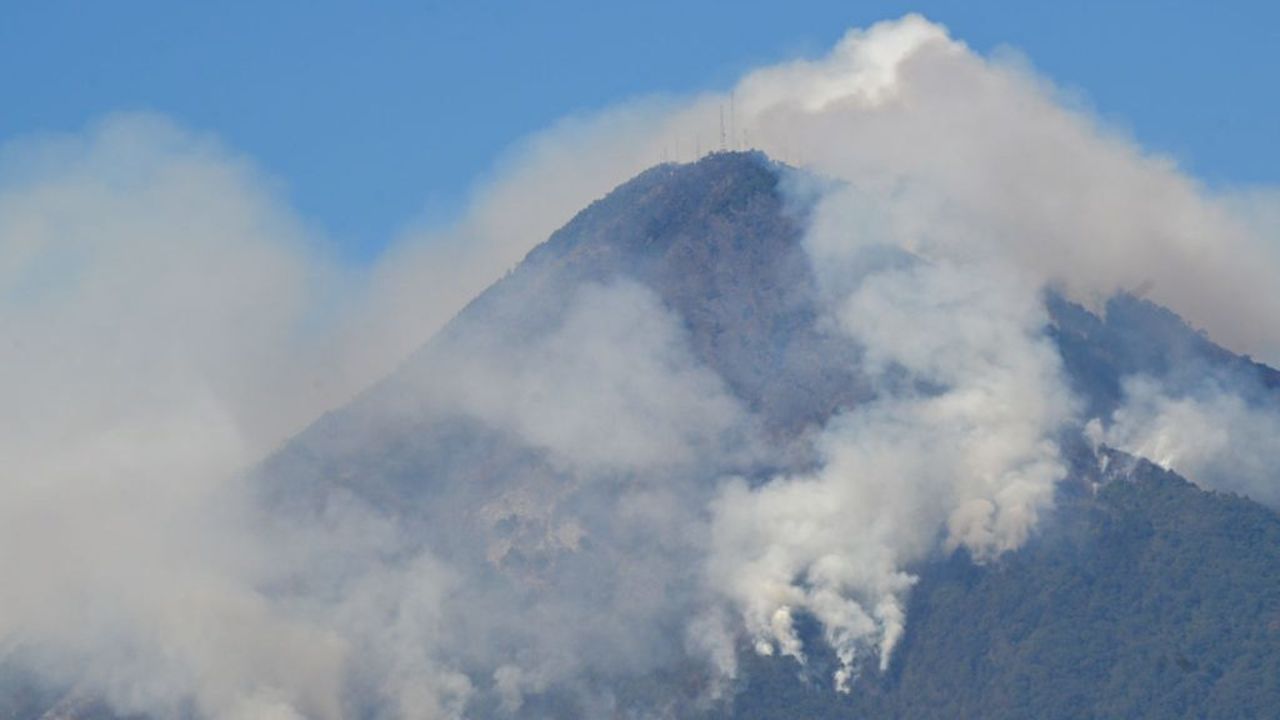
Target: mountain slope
<point>1148,599</point>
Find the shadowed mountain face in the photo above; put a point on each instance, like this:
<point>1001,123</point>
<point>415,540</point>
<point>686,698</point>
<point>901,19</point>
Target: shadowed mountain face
<point>1135,337</point>
<point>558,445</point>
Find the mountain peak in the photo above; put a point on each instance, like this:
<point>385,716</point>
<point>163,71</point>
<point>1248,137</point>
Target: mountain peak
<point>642,211</point>
<point>712,254</point>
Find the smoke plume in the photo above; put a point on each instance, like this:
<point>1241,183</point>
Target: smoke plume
<point>618,512</point>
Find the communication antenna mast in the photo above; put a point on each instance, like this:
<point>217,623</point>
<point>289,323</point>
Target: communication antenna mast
<point>733,123</point>
<point>721,128</point>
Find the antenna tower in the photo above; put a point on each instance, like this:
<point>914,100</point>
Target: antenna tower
<point>733,123</point>
<point>722,128</point>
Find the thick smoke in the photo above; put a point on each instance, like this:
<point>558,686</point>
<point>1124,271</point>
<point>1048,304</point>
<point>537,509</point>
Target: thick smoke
<point>169,322</point>
<point>971,157</point>
<point>154,301</point>
<point>977,171</point>
<point>962,440</point>
<point>590,550</point>
<point>617,354</point>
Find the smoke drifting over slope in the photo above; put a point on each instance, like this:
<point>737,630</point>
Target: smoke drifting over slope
<point>620,511</point>
<point>1219,437</point>
<point>976,457</point>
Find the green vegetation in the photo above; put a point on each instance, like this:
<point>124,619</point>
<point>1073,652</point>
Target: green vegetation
<point>1152,599</point>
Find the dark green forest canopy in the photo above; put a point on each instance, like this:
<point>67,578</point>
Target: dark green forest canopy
<point>1143,597</point>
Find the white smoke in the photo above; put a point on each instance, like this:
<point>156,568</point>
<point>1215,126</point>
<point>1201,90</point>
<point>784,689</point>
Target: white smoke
<point>154,302</point>
<point>429,273</point>
<point>1212,435</point>
<point>974,157</point>
<point>618,354</point>
<point>627,421</point>
<point>966,446</point>
<point>168,322</point>
<point>977,169</point>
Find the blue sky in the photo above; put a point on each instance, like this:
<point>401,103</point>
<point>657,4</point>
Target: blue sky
<point>373,118</point>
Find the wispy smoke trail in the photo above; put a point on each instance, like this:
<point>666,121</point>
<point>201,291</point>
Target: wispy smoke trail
<point>1219,435</point>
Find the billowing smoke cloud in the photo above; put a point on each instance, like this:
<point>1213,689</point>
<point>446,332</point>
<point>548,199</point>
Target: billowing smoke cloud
<point>958,161</point>
<point>155,303</point>
<point>169,322</point>
<point>429,273</point>
<point>965,444</point>
<point>618,354</point>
